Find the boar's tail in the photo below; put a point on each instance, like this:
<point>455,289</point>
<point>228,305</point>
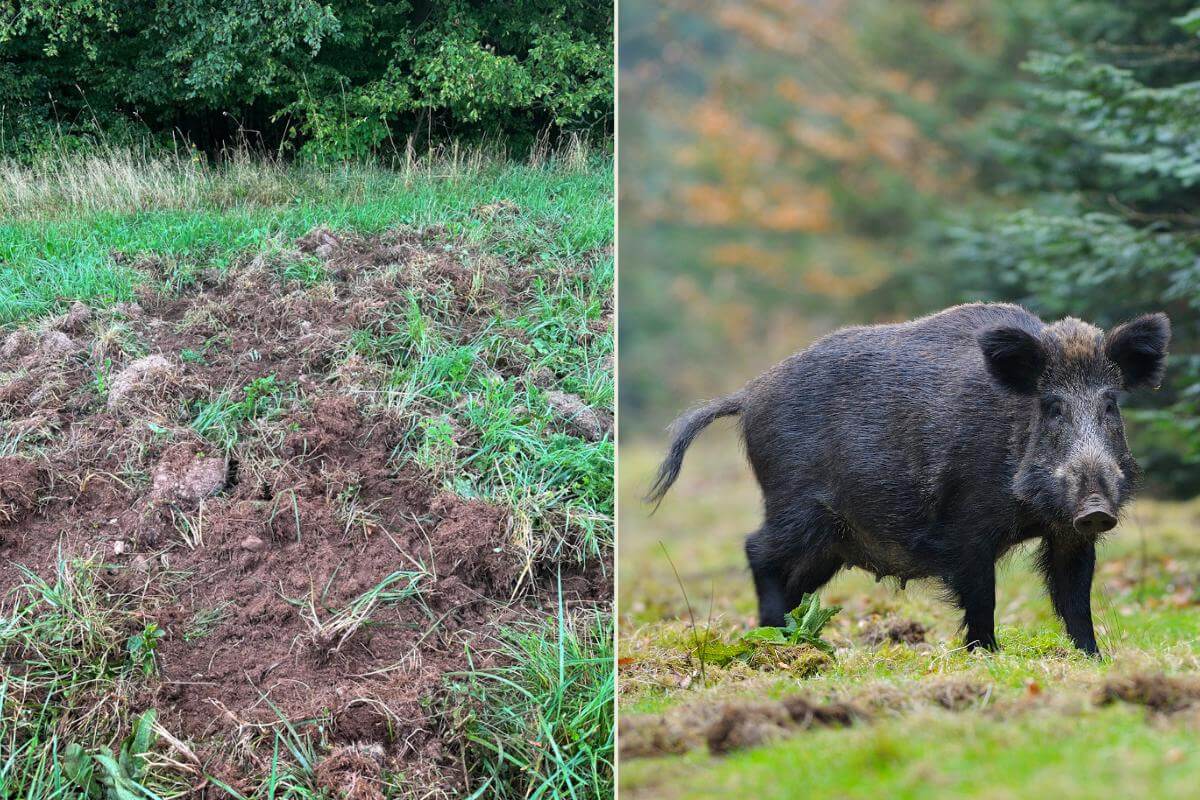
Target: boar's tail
<point>683,431</point>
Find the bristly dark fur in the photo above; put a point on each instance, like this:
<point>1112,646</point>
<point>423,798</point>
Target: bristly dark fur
<point>683,431</point>
<point>1015,358</point>
<point>930,448</point>
<point>1138,349</point>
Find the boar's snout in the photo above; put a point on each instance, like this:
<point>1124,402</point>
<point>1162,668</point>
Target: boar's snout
<point>1095,516</point>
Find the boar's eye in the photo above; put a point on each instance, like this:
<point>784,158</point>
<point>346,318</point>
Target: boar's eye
<point>1110,407</point>
<point>1053,410</point>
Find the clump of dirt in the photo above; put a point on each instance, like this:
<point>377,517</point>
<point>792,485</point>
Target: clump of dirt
<point>19,483</point>
<point>52,346</point>
<point>894,630</point>
<point>352,773</point>
<point>185,477</point>
<point>144,377</point>
<point>726,727</point>
<point>580,418</point>
<point>76,318</point>
<point>651,735</point>
<point>749,725</point>
<point>320,241</point>
<point>801,660</point>
<point>471,547</point>
<point>743,726</point>
<point>955,694</point>
<point>1164,694</point>
<point>16,344</point>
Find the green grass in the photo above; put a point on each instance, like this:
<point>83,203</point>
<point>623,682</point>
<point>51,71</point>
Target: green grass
<point>75,654</point>
<point>1036,729</point>
<point>220,418</point>
<point>57,249</point>
<point>1114,752</point>
<point>542,725</point>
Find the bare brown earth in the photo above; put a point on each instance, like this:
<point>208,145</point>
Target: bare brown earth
<point>274,552</point>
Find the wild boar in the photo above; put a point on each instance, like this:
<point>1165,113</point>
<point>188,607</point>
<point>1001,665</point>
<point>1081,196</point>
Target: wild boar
<point>930,448</point>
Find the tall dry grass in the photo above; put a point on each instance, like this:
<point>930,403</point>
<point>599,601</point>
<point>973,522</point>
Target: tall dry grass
<point>122,178</point>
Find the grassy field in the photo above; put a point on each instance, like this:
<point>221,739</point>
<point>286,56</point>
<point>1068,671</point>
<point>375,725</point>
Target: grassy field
<point>495,396</point>
<point>926,718</point>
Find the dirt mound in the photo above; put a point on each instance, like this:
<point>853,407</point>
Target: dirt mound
<point>76,318</point>
<point>726,727</point>
<point>185,477</point>
<point>955,694</point>
<point>650,736</point>
<point>16,344</point>
<point>895,631</point>
<point>470,546</point>
<point>146,376</point>
<point>320,241</point>
<point>1160,693</point>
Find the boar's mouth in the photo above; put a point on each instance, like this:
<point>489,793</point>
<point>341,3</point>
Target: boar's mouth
<point>1095,516</point>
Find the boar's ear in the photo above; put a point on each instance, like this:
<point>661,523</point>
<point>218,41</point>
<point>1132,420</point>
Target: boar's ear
<point>1139,349</point>
<point>1015,358</point>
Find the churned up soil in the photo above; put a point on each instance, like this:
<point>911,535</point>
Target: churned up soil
<point>727,727</point>
<point>223,443</point>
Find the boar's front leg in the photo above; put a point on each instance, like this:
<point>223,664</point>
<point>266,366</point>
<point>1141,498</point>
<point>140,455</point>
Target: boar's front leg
<point>788,562</point>
<point>974,588</point>
<point>1067,564</point>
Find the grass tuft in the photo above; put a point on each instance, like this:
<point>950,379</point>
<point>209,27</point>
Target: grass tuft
<point>542,724</point>
<point>74,653</point>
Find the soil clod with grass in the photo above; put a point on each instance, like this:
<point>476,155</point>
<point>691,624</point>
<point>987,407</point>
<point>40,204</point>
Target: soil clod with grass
<point>893,630</point>
<point>1159,693</point>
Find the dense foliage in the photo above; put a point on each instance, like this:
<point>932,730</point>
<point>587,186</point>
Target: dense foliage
<point>1105,151</point>
<point>338,78</point>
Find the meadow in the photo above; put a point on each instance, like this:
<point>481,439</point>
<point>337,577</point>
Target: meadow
<point>306,476</point>
<point>898,708</point>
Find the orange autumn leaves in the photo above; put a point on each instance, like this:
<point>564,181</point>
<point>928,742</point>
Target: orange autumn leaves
<point>793,123</point>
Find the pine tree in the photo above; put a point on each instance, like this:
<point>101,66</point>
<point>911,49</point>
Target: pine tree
<point>1105,153</point>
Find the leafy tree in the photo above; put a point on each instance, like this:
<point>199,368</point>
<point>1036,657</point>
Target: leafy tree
<point>333,78</point>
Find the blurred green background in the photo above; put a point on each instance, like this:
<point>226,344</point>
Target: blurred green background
<point>790,167</point>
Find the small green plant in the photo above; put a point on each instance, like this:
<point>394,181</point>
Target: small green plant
<point>437,447</point>
<point>141,647</point>
<point>802,625</point>
<point>219,418</point>
<point>117,778</point>
<point>192,356</point>
<point>101,379</point>
<point>256,394</point>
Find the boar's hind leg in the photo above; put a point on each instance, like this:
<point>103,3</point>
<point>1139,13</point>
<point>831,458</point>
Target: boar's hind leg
<point>787,564</point>
<point>975,592</point>
<point>1068,566</point>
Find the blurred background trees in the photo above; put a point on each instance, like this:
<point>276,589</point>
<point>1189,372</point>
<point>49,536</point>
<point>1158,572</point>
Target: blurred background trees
<point>331,79</point>
<point>788,167</point>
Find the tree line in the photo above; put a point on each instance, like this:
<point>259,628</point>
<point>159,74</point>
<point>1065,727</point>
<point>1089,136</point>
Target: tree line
<point>332,79</point>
